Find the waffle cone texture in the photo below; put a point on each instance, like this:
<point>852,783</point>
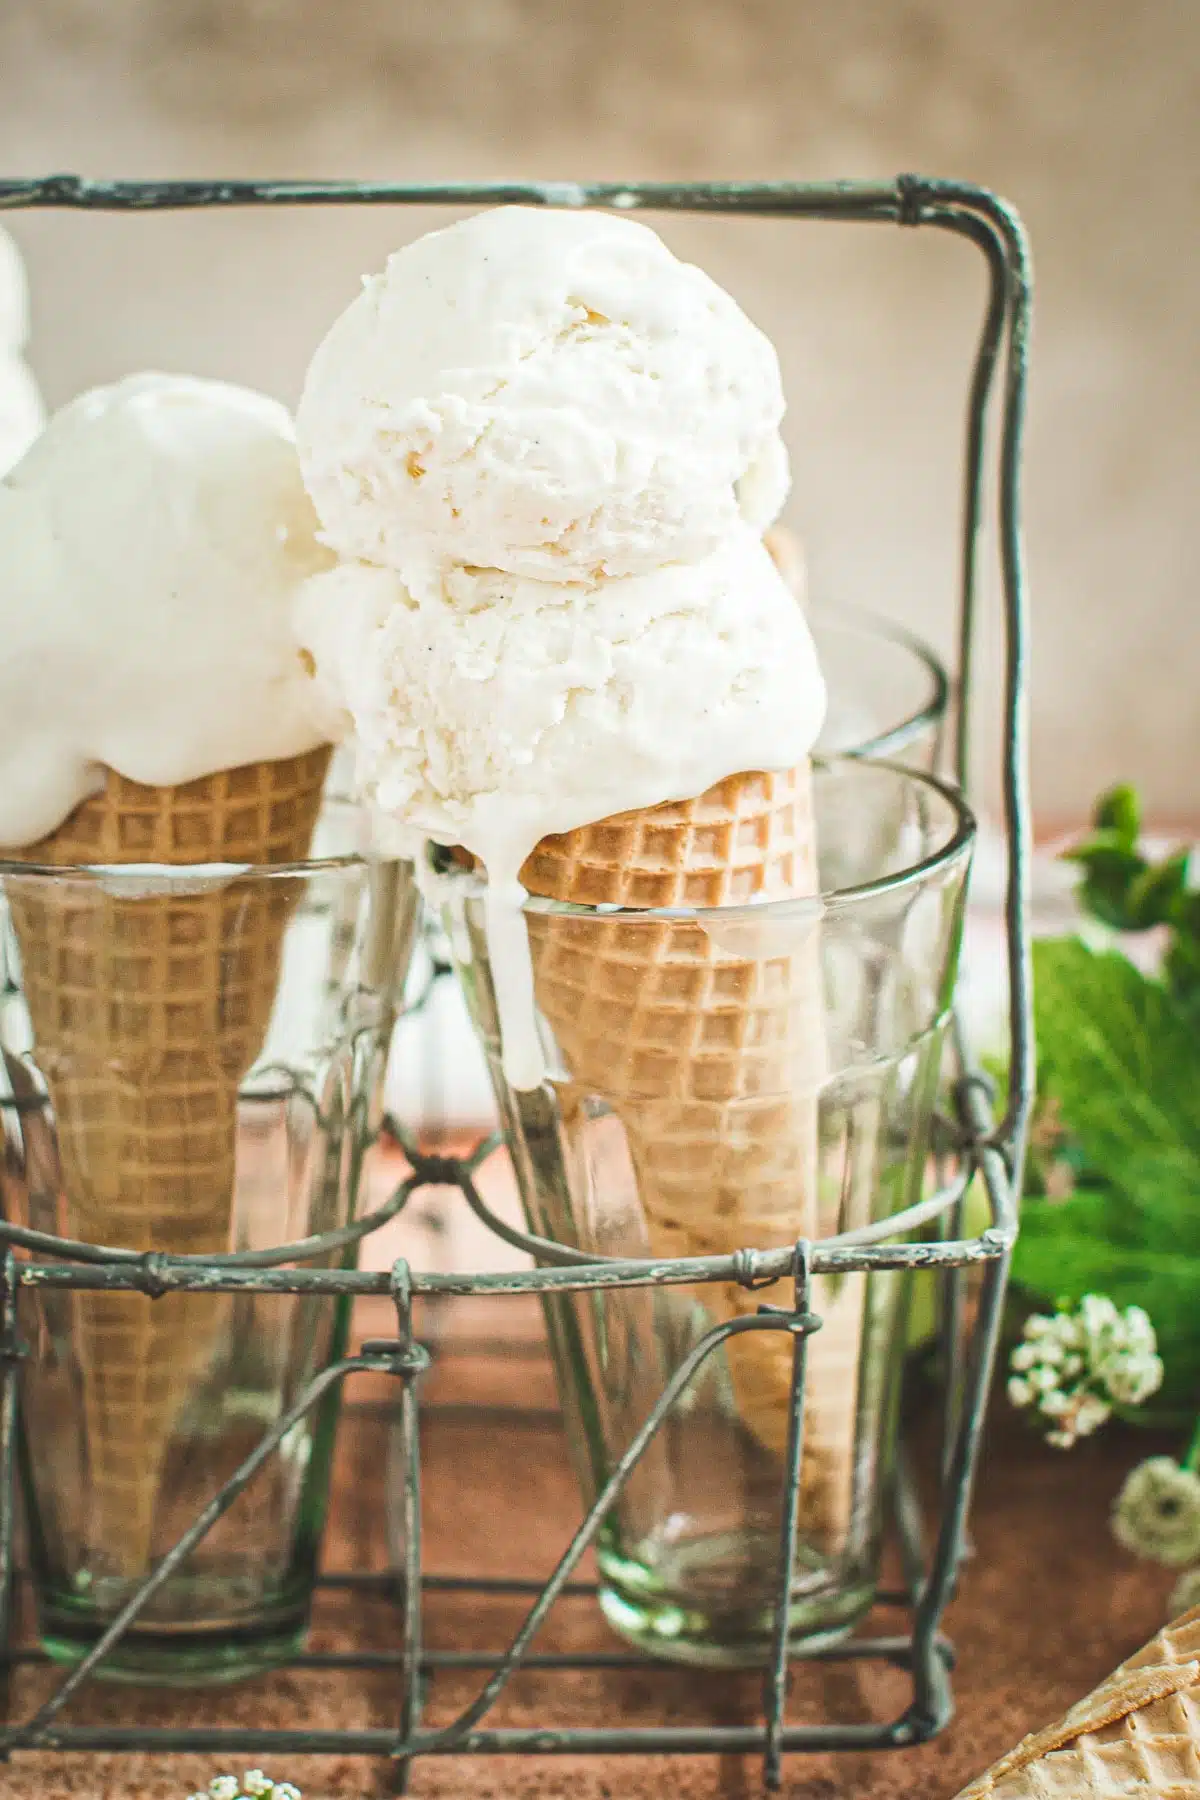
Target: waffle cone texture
<point>708,1042</point>
<point>1138,1733</point>
<point>146,1013</point>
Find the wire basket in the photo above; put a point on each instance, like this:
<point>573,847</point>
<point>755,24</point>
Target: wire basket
<point>974,1143</point>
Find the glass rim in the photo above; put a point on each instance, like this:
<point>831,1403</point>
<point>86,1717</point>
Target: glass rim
<point>155,880</point>
<point>151,880</point>
<point>931,711</point>
<point>957,847</point>
<point>150,876</point>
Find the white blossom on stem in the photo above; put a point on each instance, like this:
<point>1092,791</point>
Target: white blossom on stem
<point>1073,1366</point>
<point>1157,1514</point>
<point>254,1785</point>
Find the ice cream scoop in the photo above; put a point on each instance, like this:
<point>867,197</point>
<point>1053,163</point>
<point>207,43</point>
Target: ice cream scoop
<point>21,412</point>
<point>552,451</point>
<point>153,709</point>
<point>549,393</point>
<point>506,709</point>
<point>152,541</point>
<point>14,296</point>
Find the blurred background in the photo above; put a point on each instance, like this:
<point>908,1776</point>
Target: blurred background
<point>1085,116</point>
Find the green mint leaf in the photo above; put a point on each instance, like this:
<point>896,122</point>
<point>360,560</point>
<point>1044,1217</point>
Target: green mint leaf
<point>1107,856</point>
<point>1122,1059</point>
<point>1120,811</point>
<point>1181,967</point>
<point>1153,897</point>
<point>1110,871</point>
<point>1106,906</point>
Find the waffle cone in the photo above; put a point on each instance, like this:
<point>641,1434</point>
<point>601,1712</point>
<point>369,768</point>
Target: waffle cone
<point>1137,1733</point>
<point>146,1016</point>
<point>709,1045</point>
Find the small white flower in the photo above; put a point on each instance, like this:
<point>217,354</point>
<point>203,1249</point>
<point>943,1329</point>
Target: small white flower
<point>1097,1314</point>
<point>1074,1367</point>
<point>1090,1414</point>
<point>1186,1593</point>
<point>256,1784</point>
<point>1076,1417</point>
<point>285,1791</point>
<point>1132,1379</point>
<point>223,1787</point>
<point>1157,1514</point>
<point>1138,1328</point>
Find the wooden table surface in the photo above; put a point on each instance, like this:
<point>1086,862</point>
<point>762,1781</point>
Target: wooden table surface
<point>1047,1607</point>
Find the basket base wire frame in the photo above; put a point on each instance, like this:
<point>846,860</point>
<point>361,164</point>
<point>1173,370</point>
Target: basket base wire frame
<point>976,1142</point>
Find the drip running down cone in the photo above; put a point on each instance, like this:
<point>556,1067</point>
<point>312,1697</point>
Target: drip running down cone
<point>708,1043</point>
<point>147,1012</point>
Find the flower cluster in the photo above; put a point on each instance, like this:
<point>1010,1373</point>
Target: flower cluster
<point>254,1785</point>
<point>1072,1368</point>
<point>1157,1514</point>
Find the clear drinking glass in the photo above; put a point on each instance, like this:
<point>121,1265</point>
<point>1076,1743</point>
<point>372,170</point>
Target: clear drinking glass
<point>192,1062</point>
<point>887,690</point>
<point>726,1078</point>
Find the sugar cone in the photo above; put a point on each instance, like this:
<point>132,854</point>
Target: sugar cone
<point>146,1015</point>
<point>1138,1733</point>
<point>710,1047</point>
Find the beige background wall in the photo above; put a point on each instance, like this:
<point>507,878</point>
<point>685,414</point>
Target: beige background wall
<point>1082,111</point>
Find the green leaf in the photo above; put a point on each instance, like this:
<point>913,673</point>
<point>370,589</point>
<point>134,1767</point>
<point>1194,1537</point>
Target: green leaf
<point>1107,861</point>
<point>1123,1061</point>
<point>1106,850</point>
<point>1110,871</point>
<point>1120,811</point>
<point>1154,895</point>
<point>1076,1248</point>
<point>1181,967</point>
<point>1105,904</point>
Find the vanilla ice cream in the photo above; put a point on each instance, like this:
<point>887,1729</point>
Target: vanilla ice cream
<point>14,296</point>
<point>21,412</point>
<point>152,542</point>
<point>509,708</point>
<point>548,393</point>
<point>548,451</point>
